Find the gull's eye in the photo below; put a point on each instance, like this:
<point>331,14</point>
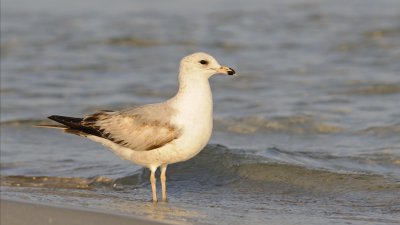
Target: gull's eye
<point>203,62</point>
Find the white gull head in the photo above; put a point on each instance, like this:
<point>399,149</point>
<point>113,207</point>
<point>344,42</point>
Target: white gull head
<point>202,64</point>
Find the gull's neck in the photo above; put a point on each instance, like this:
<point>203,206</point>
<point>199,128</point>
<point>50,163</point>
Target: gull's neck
<point>194,95</point>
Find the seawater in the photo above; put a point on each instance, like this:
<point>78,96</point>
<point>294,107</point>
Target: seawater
<point>309,132</point>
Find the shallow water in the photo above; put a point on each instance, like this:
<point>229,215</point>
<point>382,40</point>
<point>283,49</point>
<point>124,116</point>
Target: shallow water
<point>309,132</point>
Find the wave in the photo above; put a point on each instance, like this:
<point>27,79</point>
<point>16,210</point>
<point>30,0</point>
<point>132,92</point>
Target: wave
<point>218,166</point>
<point>389,130</point>
<point>374,89</point>
<point>55,182</point>
<point>297,124</point>
<point>145,42</point>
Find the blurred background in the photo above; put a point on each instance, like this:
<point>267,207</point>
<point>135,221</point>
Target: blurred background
<point>313,117</point>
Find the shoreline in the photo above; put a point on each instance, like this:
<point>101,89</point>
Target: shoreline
<point>14,212</point>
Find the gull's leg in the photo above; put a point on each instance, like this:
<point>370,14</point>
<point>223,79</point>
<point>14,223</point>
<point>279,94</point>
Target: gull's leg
<point>163,182</point>
<point>153,183</point>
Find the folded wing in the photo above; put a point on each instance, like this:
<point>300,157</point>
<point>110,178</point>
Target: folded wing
<point>140,129</point>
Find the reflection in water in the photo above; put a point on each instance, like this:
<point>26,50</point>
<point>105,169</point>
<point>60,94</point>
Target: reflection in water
<point>161,211</point>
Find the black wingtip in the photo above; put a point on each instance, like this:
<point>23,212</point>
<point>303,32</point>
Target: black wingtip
<point>56,118</point>
<point>65,119</point>
<point>75,125</point>
<point>53,117</point>
<point>68,121</point>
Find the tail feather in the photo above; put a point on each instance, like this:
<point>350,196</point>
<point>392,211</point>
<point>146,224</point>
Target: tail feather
<point>73,125</point>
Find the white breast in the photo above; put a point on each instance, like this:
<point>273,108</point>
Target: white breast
<point>194,107</point>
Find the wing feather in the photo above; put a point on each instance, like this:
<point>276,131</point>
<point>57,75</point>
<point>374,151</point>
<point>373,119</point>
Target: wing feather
<point>141,129</point>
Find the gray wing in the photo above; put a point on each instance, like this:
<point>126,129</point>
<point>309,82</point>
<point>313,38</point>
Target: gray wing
<point>140,129</point>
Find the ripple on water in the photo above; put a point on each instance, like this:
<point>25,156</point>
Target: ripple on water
<point>376,89</point>
<point>298,124</point>
<point>54,182</point>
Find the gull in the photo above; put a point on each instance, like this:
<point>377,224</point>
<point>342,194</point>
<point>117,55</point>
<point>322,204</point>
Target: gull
<point>156,135</point>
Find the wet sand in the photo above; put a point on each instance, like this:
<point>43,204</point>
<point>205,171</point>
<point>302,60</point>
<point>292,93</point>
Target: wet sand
<point>26,213</point>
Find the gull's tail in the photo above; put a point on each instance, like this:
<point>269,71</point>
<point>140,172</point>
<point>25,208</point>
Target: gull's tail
<point>72,125</point>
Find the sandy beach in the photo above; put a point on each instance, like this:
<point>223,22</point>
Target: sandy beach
<point>26,213</point>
